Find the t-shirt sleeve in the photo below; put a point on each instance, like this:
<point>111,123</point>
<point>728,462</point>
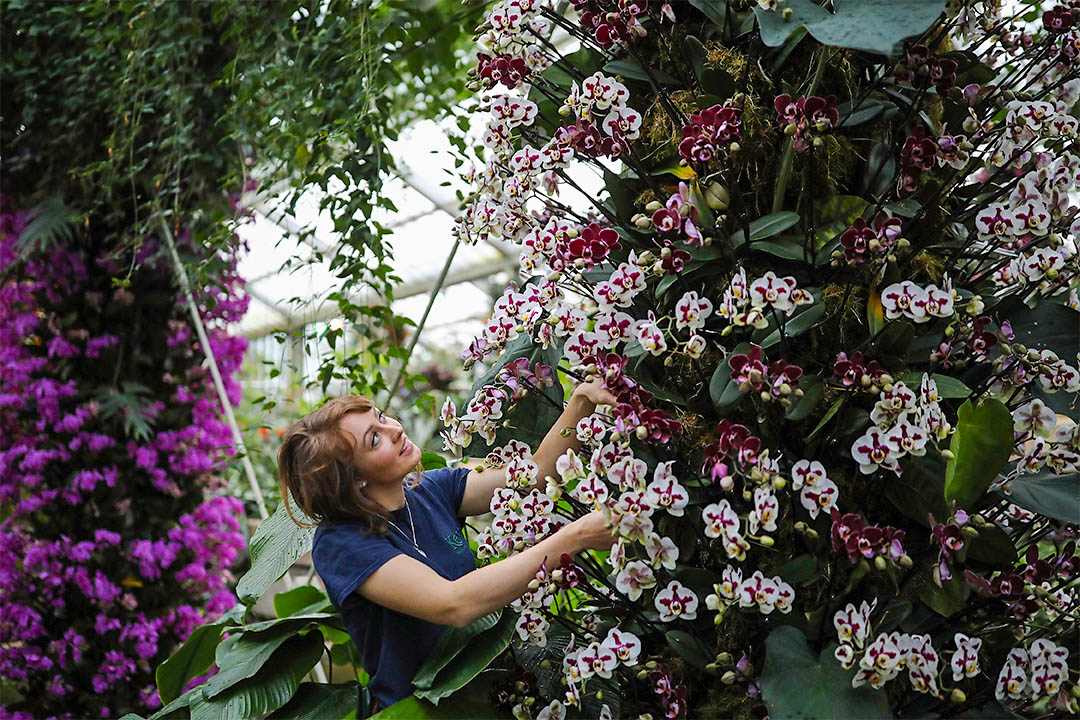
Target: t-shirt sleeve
<point>346,556</point>
<point>450,484</point>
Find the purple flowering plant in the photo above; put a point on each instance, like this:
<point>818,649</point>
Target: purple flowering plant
<point>116,541</point>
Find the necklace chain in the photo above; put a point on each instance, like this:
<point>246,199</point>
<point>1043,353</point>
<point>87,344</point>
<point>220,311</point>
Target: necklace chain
<point>412,526</point>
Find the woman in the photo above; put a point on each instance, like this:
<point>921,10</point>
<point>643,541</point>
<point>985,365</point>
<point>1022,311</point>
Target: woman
<point>392,553</point>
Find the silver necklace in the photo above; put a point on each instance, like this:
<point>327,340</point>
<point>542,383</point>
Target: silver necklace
<point>411,526</point>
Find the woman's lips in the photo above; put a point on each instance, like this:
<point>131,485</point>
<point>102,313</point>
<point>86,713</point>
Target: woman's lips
<point>405,446</point>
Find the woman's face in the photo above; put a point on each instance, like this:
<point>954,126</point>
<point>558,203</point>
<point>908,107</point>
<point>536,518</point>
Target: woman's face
<point>382,451</point>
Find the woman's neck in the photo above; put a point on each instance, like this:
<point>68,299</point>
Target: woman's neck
<point>391,498</point>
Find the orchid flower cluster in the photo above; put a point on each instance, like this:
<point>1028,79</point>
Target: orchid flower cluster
<point>83,621</point>
<point>819,340</point>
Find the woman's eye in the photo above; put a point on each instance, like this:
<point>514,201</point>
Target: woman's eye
<point>374,439</point>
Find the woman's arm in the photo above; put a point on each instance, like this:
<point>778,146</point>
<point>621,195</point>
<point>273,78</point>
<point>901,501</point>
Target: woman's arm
<point>409,586</point>
<point>482,484</point>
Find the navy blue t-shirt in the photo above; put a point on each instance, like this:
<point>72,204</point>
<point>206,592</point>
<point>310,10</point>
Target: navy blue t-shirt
<point>394,645</point>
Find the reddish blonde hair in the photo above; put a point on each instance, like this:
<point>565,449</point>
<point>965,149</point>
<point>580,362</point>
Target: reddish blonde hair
<point>316,467</point>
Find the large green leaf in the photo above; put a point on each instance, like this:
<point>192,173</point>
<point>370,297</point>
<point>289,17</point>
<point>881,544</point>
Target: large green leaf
<point>290,624</point>
<point>1056,496</point>
<point>722,391</point>
<point>470,702</point>
<point>948,387</point>
<point>796,325</point>
<point>240,658</point>
<point>270,688</point>
<point>981,446</point>
<point>275,546</point>
<point>1051,326</point>
<point>765,227</point>
<point>452,641</point>
<point>630,69</point>
<point>300,598</point>
<point>688,648</point>
<point>920,491</point>
<point>194,656</point>
<point>872,25</point>
<point>320,701</point>
<point>466,664</point>
<point>798,685</point>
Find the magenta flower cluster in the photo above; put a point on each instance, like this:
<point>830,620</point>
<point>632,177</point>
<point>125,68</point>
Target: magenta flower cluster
<point>115,545</point>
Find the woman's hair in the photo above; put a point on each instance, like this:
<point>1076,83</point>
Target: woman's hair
<point>315,466</point>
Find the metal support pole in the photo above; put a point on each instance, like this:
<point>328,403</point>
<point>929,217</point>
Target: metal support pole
<point>185,284</point>
<point>238,439</point>
<point>420,328</point>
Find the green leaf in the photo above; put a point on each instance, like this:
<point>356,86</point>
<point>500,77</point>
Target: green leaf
<point>993,546</point>
<point>782,249</point>
<point>291,624</point>
<point>775,29</point>
<point>920,491</point>
<point>946,600</point>
<point>464,704</point>
<point>796,325</point>
<point>1056,496</point>
<point>1049,325</point>
<point>828,416</point>
<point>712,9</point>
<point>873,25</point>
<point>764,227</point>
<point>813,390</point>
<point>630,69</point>
<point>722,391</point>
<point>948,387</point>
<point>688,648</point>
<point>452,641</point>
<point>299,598</point>
<point>981,444</point>
<point>799,571</point>
<point>276,545</point>
<point>270,688</point>
<point>795,684</point>
<point>194,656</point>
<point>468,663</point>
<point>239,658</point>
<point>853,113</point>
<point>321,701</point>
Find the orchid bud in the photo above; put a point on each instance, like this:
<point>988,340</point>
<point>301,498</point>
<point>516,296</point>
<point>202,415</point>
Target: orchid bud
<point>767,540</point>
<point>645,258</point>
<point>905,561</point>
<point>534,584</point>
<point>643,222</point>
<point>658,268</point>
<point>642,674</point>
<point>765,397</point>
<point>728,678</point>
<point>969,531</point>
<point>787,13</point>
<point>779,483</point>
<point>642,432</point>
<point>879,563</point>
<point>616,436</point>
<point>734,148</point>
<point>800,527</point>
<point>947,454</point>
<point>790,129</point>
<point>812,533</point>
<point>970,125</point>
<point>958,696</point>
<point>654,206</point>
<point>651,665</point>
<point>746,495</point>
<point>724,658</point>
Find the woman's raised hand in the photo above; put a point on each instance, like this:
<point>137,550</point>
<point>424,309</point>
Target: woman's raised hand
<point>592,531</point>
<point>595,392</point>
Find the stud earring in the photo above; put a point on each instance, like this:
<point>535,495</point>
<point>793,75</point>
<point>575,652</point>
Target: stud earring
<point>363,483</point>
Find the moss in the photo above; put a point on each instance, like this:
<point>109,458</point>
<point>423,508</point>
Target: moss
<point>729,703</point>
<point>924,264</point>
